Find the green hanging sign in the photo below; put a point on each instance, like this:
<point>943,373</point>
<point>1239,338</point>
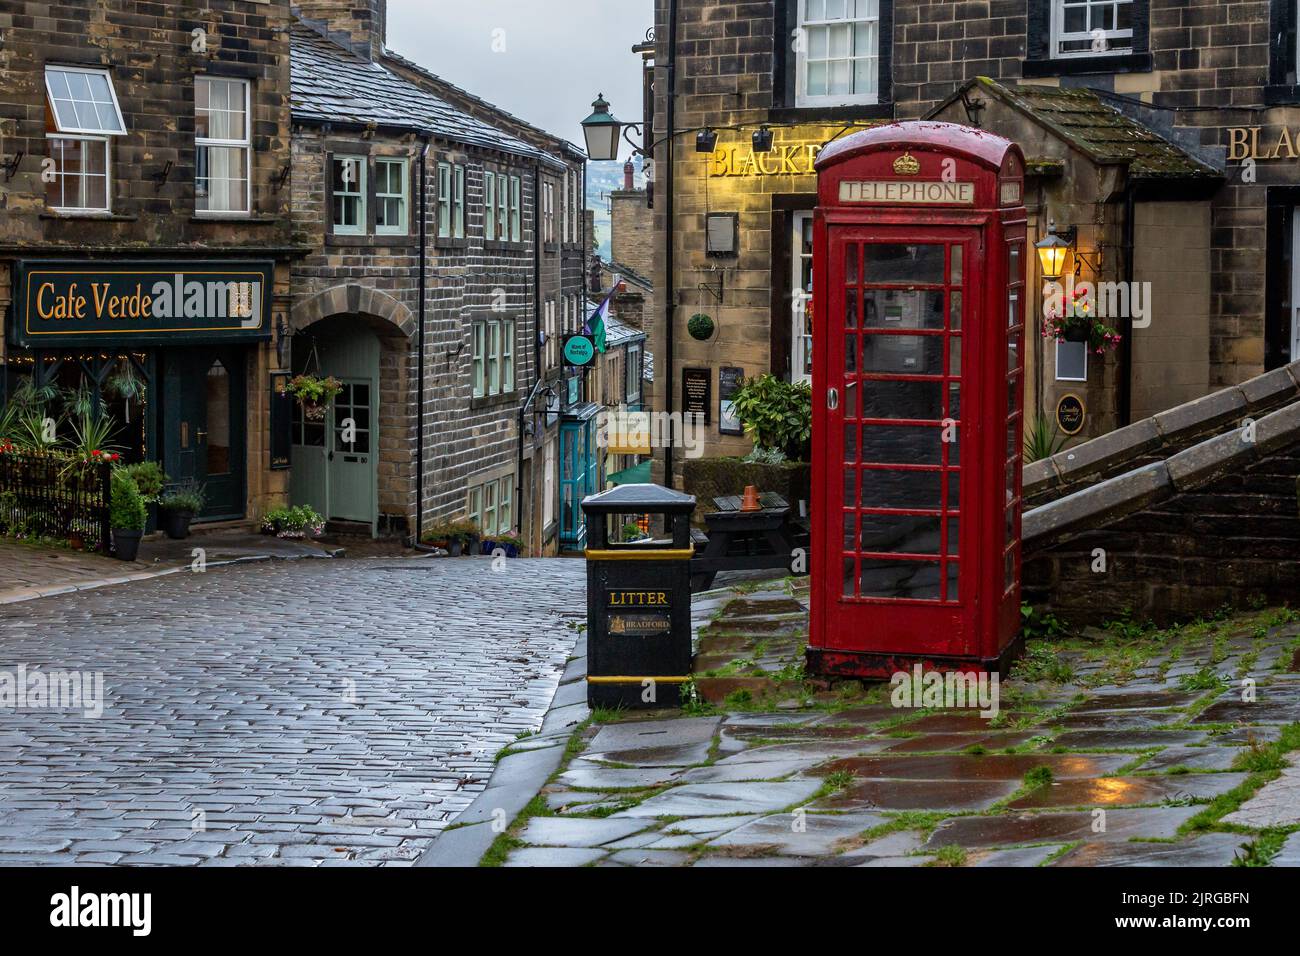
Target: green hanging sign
<point>579,350</point>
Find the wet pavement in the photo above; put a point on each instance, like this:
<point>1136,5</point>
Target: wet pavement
<point>297,714</point>
<point>1127,763</point>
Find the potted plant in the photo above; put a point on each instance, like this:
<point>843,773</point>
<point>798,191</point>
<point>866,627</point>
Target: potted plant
<point>299,521</point>
<point>150,480</point>
<point>455,537</point>
<point>1073,321</point>
<point>701,327</point>
<point>314,394</point>
<point>179,506</point>
<point>511,543</point>
<point>126,516</point>
<point>777,415</point>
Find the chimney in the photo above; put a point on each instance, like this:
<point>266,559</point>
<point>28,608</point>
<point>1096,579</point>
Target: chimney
<point>629,176</point>
<point>359,25</point>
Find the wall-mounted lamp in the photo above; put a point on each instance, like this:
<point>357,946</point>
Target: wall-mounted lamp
<point>1053,252</point>
<point>763,140</point>
<point>706,141</point>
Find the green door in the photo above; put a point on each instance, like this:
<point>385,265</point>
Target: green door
<point>205,415</point>
<point>335,462</point>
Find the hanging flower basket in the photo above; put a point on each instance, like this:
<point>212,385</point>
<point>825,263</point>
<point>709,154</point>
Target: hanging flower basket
<point>314,394</point>
<point>1076,323</point>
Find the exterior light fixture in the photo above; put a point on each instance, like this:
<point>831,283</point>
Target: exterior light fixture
<point>601,130</point>
<point>763,140</point>
<point>1053,251</point>
<point>706,141</point>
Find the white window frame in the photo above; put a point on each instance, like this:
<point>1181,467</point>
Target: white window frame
<point>516,209</point>
<point>564,209</point>
<point>458,203</point>
<point>474,505</point>
<point>552,342</point>
<point>548,212</point>
<point>506,504</point>
<point>81,130</point>
<point>1057,362</point>
<point>503,207</point>
<point>105,143</point>
<point>494,357</point>
<point>444,201</point>
<point>489,205</point>
<point>246,144</point>
<point>802,96</point>
<point>633,372</point>
<point>800,337</point>
<point>1059,35</point>
<point>404,197</point>
<point>491,519</point>
<point>549,477</point>
<point>363,213</point>
<point>479,361</point>
<point>507,356</point>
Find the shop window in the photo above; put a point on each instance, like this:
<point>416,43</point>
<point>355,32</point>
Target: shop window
<point>489,205</point>
<point>1072,361</point>
<point>391,197</point>
<point>801,331</point>
<point>83,114</point>
<point>348,187</point>
<point>1068,37</point>
<point>221,146</point>
<point>549,476</point>
<point>838,52</point>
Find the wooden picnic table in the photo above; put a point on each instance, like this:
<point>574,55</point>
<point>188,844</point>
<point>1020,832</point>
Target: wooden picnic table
<point>743,540</point>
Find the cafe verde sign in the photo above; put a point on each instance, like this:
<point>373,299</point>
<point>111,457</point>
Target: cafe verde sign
<point>78,303</point>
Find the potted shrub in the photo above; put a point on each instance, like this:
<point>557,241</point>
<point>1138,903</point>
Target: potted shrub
<point>299,521</point>
<point>777,415</point>
<point>511,543</point>
<point>150,480</point>
<point>178,508</point>
<point>127,516</point>
<point>314,394</point>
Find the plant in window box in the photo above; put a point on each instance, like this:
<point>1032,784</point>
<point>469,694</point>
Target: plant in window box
<point>1074,321</point>
<point>179,506</point>
<point>299,521</point>
<point>314,394</point>
<point>127,516</point>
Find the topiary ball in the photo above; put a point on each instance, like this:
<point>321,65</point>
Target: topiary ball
<point>700,326</point>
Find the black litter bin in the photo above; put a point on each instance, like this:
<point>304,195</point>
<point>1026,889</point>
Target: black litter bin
<point>638,599</point>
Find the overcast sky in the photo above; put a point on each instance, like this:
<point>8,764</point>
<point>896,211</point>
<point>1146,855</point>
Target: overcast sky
<point>543,60</point>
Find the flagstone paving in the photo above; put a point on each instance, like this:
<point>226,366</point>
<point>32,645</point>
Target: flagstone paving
<point>1117,764</point>
<point>288,714</point>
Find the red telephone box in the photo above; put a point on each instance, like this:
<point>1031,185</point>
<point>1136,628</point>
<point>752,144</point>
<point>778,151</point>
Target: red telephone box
<point>918,371</point>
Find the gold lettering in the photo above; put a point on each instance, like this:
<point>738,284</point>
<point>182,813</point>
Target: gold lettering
<point>1284,139</point>
<point>41,309</point>
<point>100,291</point>
<point>1237,149</point>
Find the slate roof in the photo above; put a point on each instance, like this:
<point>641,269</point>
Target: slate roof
<point>1103,133</point>
<point>575,152</point>
<point>332,85</point>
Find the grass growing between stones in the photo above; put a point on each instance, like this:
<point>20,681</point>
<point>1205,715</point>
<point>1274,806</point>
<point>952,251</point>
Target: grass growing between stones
<point>1264,763</point>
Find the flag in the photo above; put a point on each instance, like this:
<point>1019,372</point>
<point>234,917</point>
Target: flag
<point>595,325</point>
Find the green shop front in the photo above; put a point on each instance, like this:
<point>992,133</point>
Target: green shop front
<point>167,350</point>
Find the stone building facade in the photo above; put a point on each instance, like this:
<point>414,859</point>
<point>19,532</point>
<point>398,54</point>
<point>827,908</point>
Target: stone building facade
<point>145,229</point>
<point>1210,224</point>
<point>378,154</point>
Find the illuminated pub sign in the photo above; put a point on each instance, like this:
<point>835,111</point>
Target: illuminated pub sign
<point>79,303</point>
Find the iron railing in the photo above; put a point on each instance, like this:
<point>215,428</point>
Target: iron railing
<point>50,495</point>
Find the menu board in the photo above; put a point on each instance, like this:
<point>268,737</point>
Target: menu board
<point>697,393</point>
<point>729,382</point>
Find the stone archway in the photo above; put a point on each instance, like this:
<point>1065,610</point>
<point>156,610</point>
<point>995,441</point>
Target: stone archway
<point>352,299</point>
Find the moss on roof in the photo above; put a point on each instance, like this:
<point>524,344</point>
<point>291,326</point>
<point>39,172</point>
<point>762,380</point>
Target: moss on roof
<point>1107,136</point>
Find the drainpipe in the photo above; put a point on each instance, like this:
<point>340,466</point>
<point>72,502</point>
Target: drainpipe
<point>669,212</point>
<point>419,401</point>
<point>537,352</point>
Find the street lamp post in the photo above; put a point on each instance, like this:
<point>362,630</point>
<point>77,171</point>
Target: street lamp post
<point>601,130</point>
